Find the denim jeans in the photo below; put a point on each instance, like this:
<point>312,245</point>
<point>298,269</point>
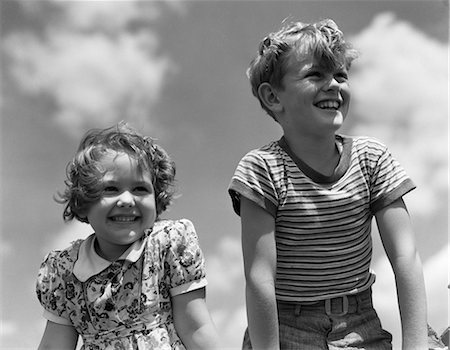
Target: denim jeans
<point>340,323</point>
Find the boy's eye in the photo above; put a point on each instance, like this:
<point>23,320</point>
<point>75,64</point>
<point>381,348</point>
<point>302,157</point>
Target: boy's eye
<point>314,74</point>
<point>342,76</point>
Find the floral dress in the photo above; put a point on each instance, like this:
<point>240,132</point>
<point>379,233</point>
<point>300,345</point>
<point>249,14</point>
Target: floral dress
<point>124,304</point>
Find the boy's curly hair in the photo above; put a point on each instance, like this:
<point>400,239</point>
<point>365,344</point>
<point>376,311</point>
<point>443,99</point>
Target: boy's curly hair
<point>84,172</point>
<point>323,40</point>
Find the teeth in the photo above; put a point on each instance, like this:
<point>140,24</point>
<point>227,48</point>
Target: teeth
<point>328,104</point>
<point>123,218</point>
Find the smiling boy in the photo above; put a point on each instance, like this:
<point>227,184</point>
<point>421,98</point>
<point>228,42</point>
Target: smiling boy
<point>306,204</point>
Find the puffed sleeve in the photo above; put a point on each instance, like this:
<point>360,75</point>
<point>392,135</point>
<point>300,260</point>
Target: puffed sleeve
<point>185,259</point>
<point>50,289</point>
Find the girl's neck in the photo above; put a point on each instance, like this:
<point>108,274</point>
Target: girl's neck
<point>108,253</point>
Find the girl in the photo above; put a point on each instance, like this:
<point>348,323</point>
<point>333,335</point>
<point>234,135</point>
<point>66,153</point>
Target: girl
<point>138,282</point>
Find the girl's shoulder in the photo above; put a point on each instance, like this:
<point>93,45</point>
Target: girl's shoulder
<point>63,259</point>
<point>170,234</point>
<point>168,228</point>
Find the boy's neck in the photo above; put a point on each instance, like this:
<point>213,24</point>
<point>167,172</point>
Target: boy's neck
<point>321,154</point>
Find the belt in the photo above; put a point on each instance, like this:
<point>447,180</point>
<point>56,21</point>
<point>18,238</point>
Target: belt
<point>337,306</point>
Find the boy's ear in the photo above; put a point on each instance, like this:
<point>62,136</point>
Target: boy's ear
<point>268,96</point>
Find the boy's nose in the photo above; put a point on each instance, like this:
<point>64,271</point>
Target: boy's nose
<point>332,84</point>
<point>126,199</point>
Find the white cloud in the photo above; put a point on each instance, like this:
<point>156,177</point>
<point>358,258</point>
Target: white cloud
<point>400,95</point>
<point>226,291</point>
<point>231,325</point>
<point>5,249</point>
<point>72,231</point>
<point>8,329</point>
<point>436,281</point>
<point>225,267</point>
<point>95,75</point>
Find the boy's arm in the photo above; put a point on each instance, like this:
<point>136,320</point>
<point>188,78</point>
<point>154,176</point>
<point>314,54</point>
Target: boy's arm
<point>398,240</point>
<point>58,337</point>
<point>193,322</point>
<point>259,250</point>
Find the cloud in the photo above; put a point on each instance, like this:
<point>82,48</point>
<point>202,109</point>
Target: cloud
<point>5,249</point>
<point>226,291</point>
<point>436,271</point>
<point>92,62</point>
<point>72,231</point>
<point>400,95</point>
<point>8,328</point>
<point>436,281</point>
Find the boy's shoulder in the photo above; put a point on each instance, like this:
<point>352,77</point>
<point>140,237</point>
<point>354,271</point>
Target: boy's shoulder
<point>363,143</point>
<point>362,139</point>
<point>271,149</point>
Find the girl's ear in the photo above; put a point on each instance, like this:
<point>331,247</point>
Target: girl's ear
<point>268,96</point>
<point>82,215</point>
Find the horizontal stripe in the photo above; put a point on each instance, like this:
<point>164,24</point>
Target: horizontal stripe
<point>323,227</point>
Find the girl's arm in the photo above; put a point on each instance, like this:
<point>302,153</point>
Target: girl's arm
<point>259,250</point>
<point>193,322</point>
<point>58,337</point>
<point>398,240</point>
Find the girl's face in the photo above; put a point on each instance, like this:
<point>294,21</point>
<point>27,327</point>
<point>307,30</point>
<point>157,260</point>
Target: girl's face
<point>314,99</point>
<point>126,207</point>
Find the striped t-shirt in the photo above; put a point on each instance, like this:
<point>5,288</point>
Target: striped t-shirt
<point>322,224</point>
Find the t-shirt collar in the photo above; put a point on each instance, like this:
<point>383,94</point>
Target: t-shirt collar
<point>89,263</point>
<point>344,145</point>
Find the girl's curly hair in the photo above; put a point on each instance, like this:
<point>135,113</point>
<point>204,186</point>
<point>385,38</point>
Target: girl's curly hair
<point>323,40</point>
<point>84,171</point>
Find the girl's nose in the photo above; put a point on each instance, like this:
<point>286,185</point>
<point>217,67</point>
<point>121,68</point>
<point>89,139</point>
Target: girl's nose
<point>126,199</point>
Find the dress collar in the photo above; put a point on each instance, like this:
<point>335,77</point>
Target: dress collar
<point>89,263</point>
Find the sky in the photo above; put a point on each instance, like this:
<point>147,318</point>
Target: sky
<point>176,71</point>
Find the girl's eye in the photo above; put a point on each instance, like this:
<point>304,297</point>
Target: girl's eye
<point>110,190</point>
<point>142,189</point>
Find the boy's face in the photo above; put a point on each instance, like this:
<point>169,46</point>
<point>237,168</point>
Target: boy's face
<point>126,207</point>
<point>315,99</point>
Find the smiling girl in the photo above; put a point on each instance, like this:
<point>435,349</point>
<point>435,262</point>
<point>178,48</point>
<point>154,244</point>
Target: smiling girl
<point>138,282</point>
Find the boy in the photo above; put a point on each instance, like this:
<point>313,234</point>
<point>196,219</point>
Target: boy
<point>307,201</point>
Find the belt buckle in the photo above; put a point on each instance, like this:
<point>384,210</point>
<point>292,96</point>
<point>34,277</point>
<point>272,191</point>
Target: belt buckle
<point>344,306</point>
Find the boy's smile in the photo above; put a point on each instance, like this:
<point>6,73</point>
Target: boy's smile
<point>126,207</point>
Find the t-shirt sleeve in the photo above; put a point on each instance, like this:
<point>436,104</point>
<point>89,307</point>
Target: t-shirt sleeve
<point>388,182</point>
<point>185,259</point>
<point>253,180</point>
<point>51,291</point>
